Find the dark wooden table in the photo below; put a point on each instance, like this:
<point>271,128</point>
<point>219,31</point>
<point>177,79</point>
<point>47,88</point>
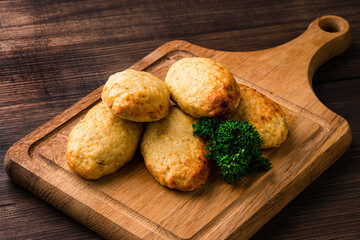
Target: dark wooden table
<point>54,53</point>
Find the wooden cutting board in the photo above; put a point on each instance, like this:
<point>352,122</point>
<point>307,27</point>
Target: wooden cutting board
<point>131,204</point>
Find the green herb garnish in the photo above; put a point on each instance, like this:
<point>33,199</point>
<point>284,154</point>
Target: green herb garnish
<point>234,146</point>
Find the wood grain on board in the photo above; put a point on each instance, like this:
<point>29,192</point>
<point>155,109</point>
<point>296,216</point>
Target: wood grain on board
<point>130,203</point>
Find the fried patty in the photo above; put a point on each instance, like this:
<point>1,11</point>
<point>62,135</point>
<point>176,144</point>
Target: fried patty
<point>173,156</point>
<point>267,117</point>
<point>101,143</point>
<point>202,87</point>
<point>137,96</point>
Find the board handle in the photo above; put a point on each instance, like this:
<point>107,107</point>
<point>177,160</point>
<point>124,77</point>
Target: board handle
<point>330,36</point>
<point>287,70</point>
<point>325,38</point>
<point>293,64</point>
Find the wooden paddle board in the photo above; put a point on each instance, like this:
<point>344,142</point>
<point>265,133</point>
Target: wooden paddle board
<point>131,204</point>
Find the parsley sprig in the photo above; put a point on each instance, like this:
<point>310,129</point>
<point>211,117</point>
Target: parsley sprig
<point>234,146</point>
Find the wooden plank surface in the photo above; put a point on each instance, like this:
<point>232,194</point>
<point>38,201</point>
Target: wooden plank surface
<point>57,53</point>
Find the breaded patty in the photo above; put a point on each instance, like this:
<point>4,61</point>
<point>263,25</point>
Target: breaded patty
<point>101,143</point>
<point>137,96</point>
<point>267,117</point>
<point>174,157</point>
<point>202,87</point>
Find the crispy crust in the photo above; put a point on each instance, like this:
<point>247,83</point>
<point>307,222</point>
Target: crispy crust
<point>173,156</point>
<point>137,96</point>
<point>202,87</point>
<point>267,117</point>
<point>101,143</point>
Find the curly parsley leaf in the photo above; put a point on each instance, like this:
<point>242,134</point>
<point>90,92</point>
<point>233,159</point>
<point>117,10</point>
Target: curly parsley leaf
<point>234,146</point>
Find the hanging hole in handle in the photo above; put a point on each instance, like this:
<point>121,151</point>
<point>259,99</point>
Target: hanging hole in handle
<point>331,25</point>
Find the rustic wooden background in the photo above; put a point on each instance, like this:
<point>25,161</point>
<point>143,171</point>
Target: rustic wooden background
<point>54,53</point>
